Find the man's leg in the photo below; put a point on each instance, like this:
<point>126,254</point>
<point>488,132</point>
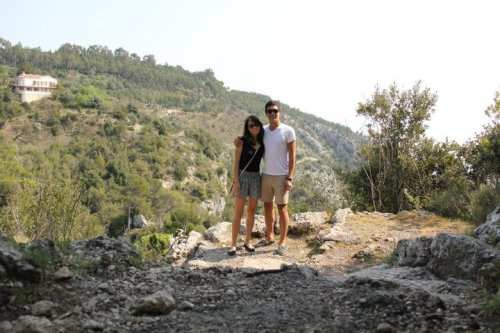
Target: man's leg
<point>268,217</point>
<point>283,212</point>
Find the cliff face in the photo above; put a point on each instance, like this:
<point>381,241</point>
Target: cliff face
<point>102,283</point>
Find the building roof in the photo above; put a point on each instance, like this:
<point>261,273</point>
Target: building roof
<point>34,76</point>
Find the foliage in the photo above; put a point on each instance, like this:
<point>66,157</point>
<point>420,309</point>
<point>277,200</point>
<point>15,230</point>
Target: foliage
<point>140,138</point>
<point>396,125</point>
<point>490,280</point>
<point>11,171</point>
<point>49,209</point>
<point>39,258</point>
<point>153,246</point>
<point>482,202</point>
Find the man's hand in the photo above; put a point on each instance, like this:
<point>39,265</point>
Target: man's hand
<point>238,141</point>
<point>288,185</point>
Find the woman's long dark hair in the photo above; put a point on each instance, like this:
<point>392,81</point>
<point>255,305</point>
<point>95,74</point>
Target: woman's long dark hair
<point>246,131</point>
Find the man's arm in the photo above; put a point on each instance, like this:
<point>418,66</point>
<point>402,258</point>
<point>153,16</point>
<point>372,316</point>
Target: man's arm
<point>238,141</point>
<point>292,149</point>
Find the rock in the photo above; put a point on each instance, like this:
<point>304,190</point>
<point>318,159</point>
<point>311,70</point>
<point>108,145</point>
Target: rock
<point>489,232</point>
<point>306,223</point>
<point>9,256</point>
<point>327,246</point>
<point>214,207</point>
<point>219,233</point>
<point>5,326</point>
<point>259,227</point>
<point>385,328</point>
<point>42,308</point>
<point>185,306</point>
<point>45,247</point>
<point>341,216</point>
<point>459,256</point>
<point>63,274</point>
<point>90,324</point>
<point>185,247</point>
<point>363,254</point>
<point>110,244</point>
<point>139,221</point>
<point>27,272</point>
<point>414,252</point>
<point>158,303</point>
<point>3,272</point>
<point>338,235</point>
<point>33,324</point>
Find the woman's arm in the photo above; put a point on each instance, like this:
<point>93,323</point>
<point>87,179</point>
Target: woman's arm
<point>236,165</point>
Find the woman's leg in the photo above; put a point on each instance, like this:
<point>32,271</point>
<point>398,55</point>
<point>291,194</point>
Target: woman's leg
<point>239,205</point>
<point>252,206</point>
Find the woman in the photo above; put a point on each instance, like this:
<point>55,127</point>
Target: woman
<point>246,183</point>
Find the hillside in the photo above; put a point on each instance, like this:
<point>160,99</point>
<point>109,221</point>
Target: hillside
<point>139,138</point>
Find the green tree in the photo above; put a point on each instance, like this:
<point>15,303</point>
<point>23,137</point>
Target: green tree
<point>396,125</point>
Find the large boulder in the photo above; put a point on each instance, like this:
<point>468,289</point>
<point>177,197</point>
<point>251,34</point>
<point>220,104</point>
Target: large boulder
<point>184,247</point>
<point>341,216</point>
<point>459,256</point>
<point>339,235</point>
<point>14,263</point>
<point>305,223</point>
<point>489,232</point>
<point>219,233</point>
<point>259,226</point>
<point>159,303</point>
<point>414,252</point>
<point>103,249</point>
<point>45,247</point>
<point>139,221</point>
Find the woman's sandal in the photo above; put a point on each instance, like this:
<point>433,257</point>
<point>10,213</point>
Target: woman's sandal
<point>265,242</point>
<point>232,251</point>
<point>249,247</point>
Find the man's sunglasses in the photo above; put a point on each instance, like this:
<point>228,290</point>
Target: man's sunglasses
<point>272,111</point>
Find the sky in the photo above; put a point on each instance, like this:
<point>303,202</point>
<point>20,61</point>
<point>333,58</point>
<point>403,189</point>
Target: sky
<point>320,56</point>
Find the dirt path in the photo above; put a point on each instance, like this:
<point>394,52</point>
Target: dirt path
<point>370,240</point>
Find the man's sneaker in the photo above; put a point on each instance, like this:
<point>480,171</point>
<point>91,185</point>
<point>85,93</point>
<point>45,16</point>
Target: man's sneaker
<point>281,250</point>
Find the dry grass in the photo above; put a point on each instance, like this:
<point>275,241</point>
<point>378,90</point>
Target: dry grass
<point>375,231</point>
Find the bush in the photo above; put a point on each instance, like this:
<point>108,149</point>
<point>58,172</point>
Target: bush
<point>49,209</point>
<point>154,246</point>
<point>482,202</point>
<point>449,203</point>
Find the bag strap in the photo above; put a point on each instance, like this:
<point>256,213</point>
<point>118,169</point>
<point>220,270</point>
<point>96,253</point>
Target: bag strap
<point>246,166</point>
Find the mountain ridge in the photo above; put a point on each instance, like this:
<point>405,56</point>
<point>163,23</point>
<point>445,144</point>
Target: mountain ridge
<point>125,126</point>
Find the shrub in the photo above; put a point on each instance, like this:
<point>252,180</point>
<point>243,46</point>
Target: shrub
<point>450,202</point>
<point>483,201</point>
<point>49,209</point>
<point>154,246</point>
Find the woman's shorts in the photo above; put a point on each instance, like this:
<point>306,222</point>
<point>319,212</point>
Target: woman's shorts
<point>250,185</point>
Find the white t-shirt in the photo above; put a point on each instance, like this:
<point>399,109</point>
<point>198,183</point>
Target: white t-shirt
<point>276,153</point>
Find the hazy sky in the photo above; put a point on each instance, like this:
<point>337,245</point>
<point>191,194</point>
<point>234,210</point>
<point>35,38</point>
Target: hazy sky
<point>323,57</point>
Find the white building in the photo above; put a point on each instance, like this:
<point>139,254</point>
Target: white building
<point>31,87</point>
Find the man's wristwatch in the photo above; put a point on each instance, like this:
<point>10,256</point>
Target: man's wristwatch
<point>288,178</point>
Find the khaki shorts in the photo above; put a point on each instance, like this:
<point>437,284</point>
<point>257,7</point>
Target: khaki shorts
<point>273,188</point>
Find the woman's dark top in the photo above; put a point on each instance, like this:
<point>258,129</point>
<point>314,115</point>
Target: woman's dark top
<point>247,153</point>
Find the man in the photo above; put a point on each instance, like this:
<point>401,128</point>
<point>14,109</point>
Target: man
<point>277,176</point>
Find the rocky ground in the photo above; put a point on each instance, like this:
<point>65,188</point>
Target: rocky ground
<point>330,280</point>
